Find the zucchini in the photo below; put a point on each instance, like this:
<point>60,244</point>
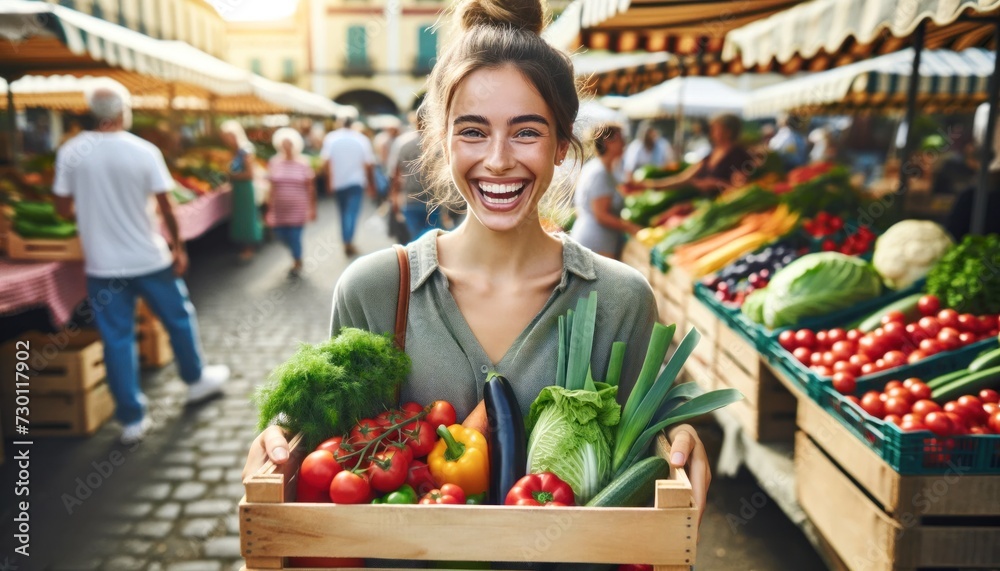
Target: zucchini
<point>987,360</point>
<point>634,488</point>
<point>969,384</point>
<point>946,379</point>
<point>907,305</point>
<point>507,440</point>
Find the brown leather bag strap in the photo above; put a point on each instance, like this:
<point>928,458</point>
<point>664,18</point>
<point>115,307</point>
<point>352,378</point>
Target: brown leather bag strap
<point>403,305</point>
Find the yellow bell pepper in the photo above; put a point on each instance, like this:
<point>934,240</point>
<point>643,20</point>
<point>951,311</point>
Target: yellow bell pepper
<point>461,457</point>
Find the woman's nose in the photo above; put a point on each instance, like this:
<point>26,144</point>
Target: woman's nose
<point>499,157</point>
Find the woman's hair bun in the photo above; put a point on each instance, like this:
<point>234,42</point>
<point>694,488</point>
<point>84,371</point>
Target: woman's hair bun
<point>519,14</point>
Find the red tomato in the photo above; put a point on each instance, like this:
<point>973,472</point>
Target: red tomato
<point>399,446</point>
<point>900,392</point>
<point>894,333</point>
<point>846,367</point>
<point>365,430</point>
<point>854,335</point>
<point>987,323</point>
<point>894,419</point>
<point>389,418</point>
<point>870,346</point>
<point>897,405</point>
<point>930,346</point>
<point>419,478</point>
<point>929,305</point>
<point>844,383</point>
<point>894,358</point>
<point>843,350</point>
<point>331,444</point>
<point>829,359</point>
<point>893,384</point>
<point>350,488</point>
<point>442,412</point>
<point>834,335</point>
<point>412,409</point>
<point>949,338</point>
<point>967,337</point>
<point>421,438</point>
<point>919,391</point>
<point>974,406</point>
<point>959,424</point>
<point>990,408</point>
<point>816,358</point>
<point>872,403</point>
<point>925,406</point>
<point>805,338</point>
<point>916,356</point>
<point>853,399</point>
<point>948,318</point>
<point>859,359</point>
<point>894,316</point>
<point>387,471</point>
<point>306,493</point>
<point>867,369</point>
<point>822,339</point>
<point>803,354</point>
<point>989,396</point>
<point>994,422</point>
<point>979,430</point>
<point>938,423</point>
<point>968,322</point>
<point>787,340</point>
<point>912,426</point>
<point>822,370</point>
<point>318,469</point>
<point>913,417</point>
<point>930,325</point>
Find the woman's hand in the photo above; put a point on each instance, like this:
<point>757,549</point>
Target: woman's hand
<point>272,444</point>
<point>686,450</point>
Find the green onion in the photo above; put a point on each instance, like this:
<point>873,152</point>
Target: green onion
<point>561,364</point>
<point>615,364</point>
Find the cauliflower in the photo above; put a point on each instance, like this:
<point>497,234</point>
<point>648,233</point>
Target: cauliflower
<point>908,250</point>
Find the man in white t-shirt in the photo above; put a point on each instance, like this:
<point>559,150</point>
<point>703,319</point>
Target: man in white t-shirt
<point>107,179</point>
<point>349,160</point>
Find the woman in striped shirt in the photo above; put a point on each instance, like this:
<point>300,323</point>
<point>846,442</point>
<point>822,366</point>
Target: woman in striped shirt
<point>292,201</point>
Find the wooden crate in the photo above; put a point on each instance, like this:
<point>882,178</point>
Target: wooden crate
<point>867,538</point>
<point>78,413</point>
<point>636,254</point>
<point>154,345</point>
<point>767,412</point>
<point>43,250</point>
<point>670,302</point>
<point>273,527</point>
<point>68,361</point>
<point>700,317</point>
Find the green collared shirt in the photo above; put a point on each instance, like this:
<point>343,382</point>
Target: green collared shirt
<point>448,361</point>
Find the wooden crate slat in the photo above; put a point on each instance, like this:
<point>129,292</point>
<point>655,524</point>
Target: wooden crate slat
<point>68,414</point>
<point>68,361</point>
<point>950,546</point>
<point>740,351</point>
<point>45,250</point>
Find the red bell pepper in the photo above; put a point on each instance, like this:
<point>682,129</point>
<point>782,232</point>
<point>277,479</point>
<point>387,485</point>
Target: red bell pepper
<point>545,489</point>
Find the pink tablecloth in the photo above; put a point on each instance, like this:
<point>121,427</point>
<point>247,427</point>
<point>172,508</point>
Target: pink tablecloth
<point>57,286</point>
<point>203,213</point>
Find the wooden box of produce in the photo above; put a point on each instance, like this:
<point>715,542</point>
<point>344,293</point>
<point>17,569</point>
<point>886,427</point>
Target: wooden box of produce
<point>69,361</point>
<point>274,528</point>
<point>637,255</point>
<point>768,411</point>
<point>19,248</point>
<point>154,342</point>
<point>876,520</point>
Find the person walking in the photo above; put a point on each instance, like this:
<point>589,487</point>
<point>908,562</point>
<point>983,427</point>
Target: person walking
<point>788,143</point>
<point>349,161</point>
<point>649,148</point>
<point>245,226</point>
<point>408,187</point>
<point>292,201</point>
<point>598,203</point>
<point>105,179</point>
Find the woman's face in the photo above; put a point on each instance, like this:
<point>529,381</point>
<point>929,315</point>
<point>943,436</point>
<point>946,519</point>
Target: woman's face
<point>502,146</point>
<point>286,147</point>
<point>229,139</point>
<point>718,134</point>
<point>615,144</point>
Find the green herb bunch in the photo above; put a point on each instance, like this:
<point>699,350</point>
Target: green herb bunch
<point>967,278</point>
<point>323,389</point>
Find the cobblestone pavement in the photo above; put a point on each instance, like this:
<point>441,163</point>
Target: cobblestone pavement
<point>169,503</point>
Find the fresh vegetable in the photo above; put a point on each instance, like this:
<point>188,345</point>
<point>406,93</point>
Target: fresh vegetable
<point>419,477</point>
<point>404,495</point>
<point>974,382</point>
<point>908,250</point>
<point>324,389</point>
<point>641,208</point>
<point>507,439</point>
<point>987,360</point>
<point>908,406</point>
<point>447,494</point>
<point>906,306</point>
<point>460,457</point>
<point>750,273</point>
<point>420,437</point>
<point>387,471</point>
<point>476,499</point>
<point>349,487</point>
<point>441,412</point>
<point>635,487</point>
<point>545,489</point>
<point>817,284</point>
<point>318,469</point>
<point>966,278</point>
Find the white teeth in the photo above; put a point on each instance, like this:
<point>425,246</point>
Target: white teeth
<point>499,188</point>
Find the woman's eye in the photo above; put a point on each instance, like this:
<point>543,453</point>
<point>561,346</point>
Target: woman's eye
<point>527,133</point>
<point>470,132</point>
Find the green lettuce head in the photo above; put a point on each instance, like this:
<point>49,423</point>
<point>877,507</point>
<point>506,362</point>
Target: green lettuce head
<point>571,436</point>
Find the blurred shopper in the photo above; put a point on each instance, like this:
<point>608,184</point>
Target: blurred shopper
<point>350,163</point>
<point>788,143</point>
<point>599,225</point>
<point>649,148</point>
<point>959,221</point>
<point>292,201</point>
<point>245,226</point>
<point>823,147</point>
<point>382,145</point>
<point>105,179</point>
<point>408,187</point>
<point>728,166</point>
<point>697,146</point>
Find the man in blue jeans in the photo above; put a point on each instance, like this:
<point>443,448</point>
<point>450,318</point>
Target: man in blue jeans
<point>349,161</point>
<point>105,178</point>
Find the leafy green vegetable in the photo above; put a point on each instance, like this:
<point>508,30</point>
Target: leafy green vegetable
<point>967,278</point>
<point>643,207</point>
<point>816,284</point>
<point>324,389</point>
<point>571,434</point>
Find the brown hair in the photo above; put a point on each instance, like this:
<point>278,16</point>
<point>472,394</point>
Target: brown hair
<point>493,34</point>
<point>731,123</point>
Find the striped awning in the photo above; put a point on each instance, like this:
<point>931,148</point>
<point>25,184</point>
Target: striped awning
<point>608,73</point>
<point>822,34</point>
<point>956,81</point>
<point>691,30</point>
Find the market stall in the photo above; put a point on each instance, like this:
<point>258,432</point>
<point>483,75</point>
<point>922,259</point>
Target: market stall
<point>57,286</point>
<point>685,96</point>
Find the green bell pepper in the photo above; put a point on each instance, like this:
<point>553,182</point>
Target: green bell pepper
<point>476,499</point>
<point>404,495</point>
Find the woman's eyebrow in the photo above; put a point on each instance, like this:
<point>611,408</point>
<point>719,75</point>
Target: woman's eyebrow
<point>528,119</point>
<point>471,119</point>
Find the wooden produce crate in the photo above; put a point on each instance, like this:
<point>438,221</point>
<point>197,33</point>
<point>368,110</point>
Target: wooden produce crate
<point>911,530</point>
<point>154,342</point>
<point>671,302</point>
<point>273,527</point>
<point>68,361</point>
<point>636,255</point>
<point>78,413</point>
<point>768,411</point>
<point>39,249</point>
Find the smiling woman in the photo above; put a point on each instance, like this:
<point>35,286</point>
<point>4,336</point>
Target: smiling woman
<point>488,295</point>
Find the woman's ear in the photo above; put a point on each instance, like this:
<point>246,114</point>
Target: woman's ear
<point>561,152</point>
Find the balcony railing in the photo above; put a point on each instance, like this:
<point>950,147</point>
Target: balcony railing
<point>356,67</point>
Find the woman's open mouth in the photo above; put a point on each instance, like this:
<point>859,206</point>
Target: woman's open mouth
<point>501,196</point>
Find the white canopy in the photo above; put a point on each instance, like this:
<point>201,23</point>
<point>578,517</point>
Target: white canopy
<point>690,96</point>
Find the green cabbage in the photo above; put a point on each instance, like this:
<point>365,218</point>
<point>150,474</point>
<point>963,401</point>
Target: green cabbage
<point>818,284</point>
<point>571,436</point>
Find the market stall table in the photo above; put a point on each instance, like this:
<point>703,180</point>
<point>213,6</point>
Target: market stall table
<point>57,286</point>
<point>203,213</point>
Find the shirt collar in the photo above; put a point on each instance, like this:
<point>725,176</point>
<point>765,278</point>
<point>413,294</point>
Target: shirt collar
<point>424,260</point>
